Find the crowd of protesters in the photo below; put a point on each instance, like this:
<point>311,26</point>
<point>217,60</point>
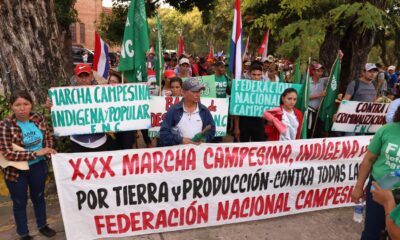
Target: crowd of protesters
<point>190,122</point>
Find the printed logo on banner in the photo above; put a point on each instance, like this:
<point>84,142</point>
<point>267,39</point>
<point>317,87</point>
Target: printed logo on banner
<point>333,83</point>
<point>159,106</point>
<point>142,191</point>
<point>99,108</point>
<point>252,98</point>
<point>360,117</point>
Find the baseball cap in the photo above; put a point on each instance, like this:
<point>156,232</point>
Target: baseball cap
<point>270,59</point>
<point>370,66</point>
<point>219,63</point>
<point>392,68</point>
<point>192,84</point>
<point>169,74</point>
<point>183,61</point>
<point>82,68</point>
<point>317,66</point>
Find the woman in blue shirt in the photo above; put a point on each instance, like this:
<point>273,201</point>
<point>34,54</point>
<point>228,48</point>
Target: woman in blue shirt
<point>30,131</point>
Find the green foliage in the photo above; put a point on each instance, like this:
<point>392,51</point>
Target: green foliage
<point>111,27</point>
<point>302,39</point>
<point>173,22</point>
<point>66,14</point>
<point>367,16</point>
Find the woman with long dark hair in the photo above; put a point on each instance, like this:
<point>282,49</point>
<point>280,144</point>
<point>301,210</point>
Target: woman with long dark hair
<point>285,122</point>
<point>28,130</point>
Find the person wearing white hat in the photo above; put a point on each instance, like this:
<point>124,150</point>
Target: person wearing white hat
<point>184,70</point>
<point>393,77</point>
<point>362,89</point>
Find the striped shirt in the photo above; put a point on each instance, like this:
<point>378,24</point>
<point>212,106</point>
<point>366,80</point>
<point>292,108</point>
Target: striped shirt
<point>10,133</point>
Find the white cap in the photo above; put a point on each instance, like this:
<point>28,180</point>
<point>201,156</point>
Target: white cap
<point>392,68</point>
<point>184,60</point>
<point>370,66</point>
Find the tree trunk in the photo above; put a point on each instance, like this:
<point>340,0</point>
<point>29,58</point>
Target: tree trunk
<point>329,47</point>
<point>380,39</point>
<point>31,47</point>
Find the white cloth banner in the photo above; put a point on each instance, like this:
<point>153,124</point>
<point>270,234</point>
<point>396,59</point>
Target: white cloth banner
<point>99,108</point>
<point>134,192</point>
<point>360,117</point>
<point>160,105</point>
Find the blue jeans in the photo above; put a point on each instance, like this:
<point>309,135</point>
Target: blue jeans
<point>34,178</point>
<point>374,216</point>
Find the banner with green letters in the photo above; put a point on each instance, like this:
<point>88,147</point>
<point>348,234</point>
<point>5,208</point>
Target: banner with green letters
<point>252,98</point>
<point>99,108</point>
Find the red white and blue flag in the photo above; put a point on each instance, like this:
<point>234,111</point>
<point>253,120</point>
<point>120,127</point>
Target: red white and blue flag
<point>263,50</point>
<point>100,62</point>
<point>235,63</point>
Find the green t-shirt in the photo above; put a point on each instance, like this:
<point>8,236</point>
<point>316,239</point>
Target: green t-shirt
<point>386,144</point>
<point>221,83</point>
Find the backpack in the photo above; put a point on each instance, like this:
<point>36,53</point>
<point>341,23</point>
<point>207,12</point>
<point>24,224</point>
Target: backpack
<point>357,85</point>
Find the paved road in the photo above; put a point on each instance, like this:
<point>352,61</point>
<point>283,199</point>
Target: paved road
<point>325,225</point>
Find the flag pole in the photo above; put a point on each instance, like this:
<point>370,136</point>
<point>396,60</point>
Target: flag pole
<point>159,54</point>
<point>322,100</point>
<point>305,89</point>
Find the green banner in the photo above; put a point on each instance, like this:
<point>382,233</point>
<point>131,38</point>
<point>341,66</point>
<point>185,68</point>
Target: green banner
<point>252,98</point>
<point>135,43</point>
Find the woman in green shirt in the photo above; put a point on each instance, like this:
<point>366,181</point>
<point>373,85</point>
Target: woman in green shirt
<point>383,157</point>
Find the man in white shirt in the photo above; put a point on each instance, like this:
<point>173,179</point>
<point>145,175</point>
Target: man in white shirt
<point>187,118</point>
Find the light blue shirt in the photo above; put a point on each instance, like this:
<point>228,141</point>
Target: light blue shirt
<point>392,110</point>
<point>32,138</point>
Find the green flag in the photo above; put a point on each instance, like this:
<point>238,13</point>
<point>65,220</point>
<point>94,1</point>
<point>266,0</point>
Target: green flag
<point>282,76</point>
<point>303,107</point>
<point>297,74</point>
<point>159,60</point>
<point>328,107</point>
<point>135,43</point>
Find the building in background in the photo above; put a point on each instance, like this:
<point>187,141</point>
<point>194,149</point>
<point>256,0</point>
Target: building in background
<point>89,11</point>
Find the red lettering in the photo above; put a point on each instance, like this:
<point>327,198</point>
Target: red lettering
<point>135,222</point>
<point>123,223</point>
<point>129,164</point>
<point>106,167</point>
<point>77,172</point>
<point>155,119</point>
<point>331,192</point>
<point>157,160</point>
<point>147,218</point>
<point>99,225</point>
<point>91,167</point>
<point>110,224</point>
<point>223,209</point>
<point>172,214</point>
<point>168,103</point>
<point>161,219</point>
<point>245,205</point>
<point>169,156</point>
<point>300,196</point>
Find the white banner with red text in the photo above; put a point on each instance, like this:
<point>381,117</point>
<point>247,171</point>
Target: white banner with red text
<point>360,117</point>
<point>143,191</point>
